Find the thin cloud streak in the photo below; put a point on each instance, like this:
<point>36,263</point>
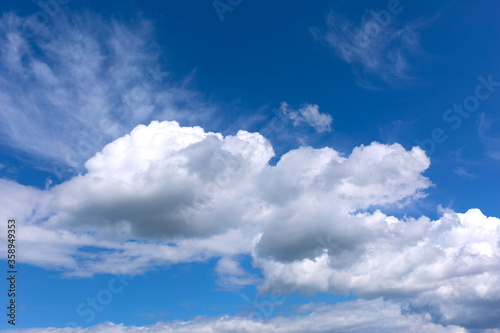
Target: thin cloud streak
<point>82,82</point>
<point>377,51</point>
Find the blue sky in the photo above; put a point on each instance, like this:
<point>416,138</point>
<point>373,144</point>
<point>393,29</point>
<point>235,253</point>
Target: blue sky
<point>207,155</point>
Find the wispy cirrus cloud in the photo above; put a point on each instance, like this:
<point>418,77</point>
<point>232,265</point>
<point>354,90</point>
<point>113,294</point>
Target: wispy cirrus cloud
<point>81,82</point>
<point>379,48</point>
<point>462,172</point>
<point>488,129</point>
<point>151,196</point>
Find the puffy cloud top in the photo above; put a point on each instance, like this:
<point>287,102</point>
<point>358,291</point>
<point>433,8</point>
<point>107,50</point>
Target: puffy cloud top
<point>166,193</point>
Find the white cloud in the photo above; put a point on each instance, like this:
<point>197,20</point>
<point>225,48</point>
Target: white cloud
<point>81,82</point>
<point>157,179</point>
<point>462,172</point>
<point>308,114</point>
<point>166,183</point>
<point>21,202</point>
<point>378,48</point>
<point>358,316</point>
<point>446,268</point>
<point>231,275</point>
<point>69,252</point>
<point>166,194</point>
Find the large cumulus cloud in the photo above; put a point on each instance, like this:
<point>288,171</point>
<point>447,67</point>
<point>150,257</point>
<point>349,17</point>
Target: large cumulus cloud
<point>313,222</point>
<point>447,268</point>
<point>165,181</point>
